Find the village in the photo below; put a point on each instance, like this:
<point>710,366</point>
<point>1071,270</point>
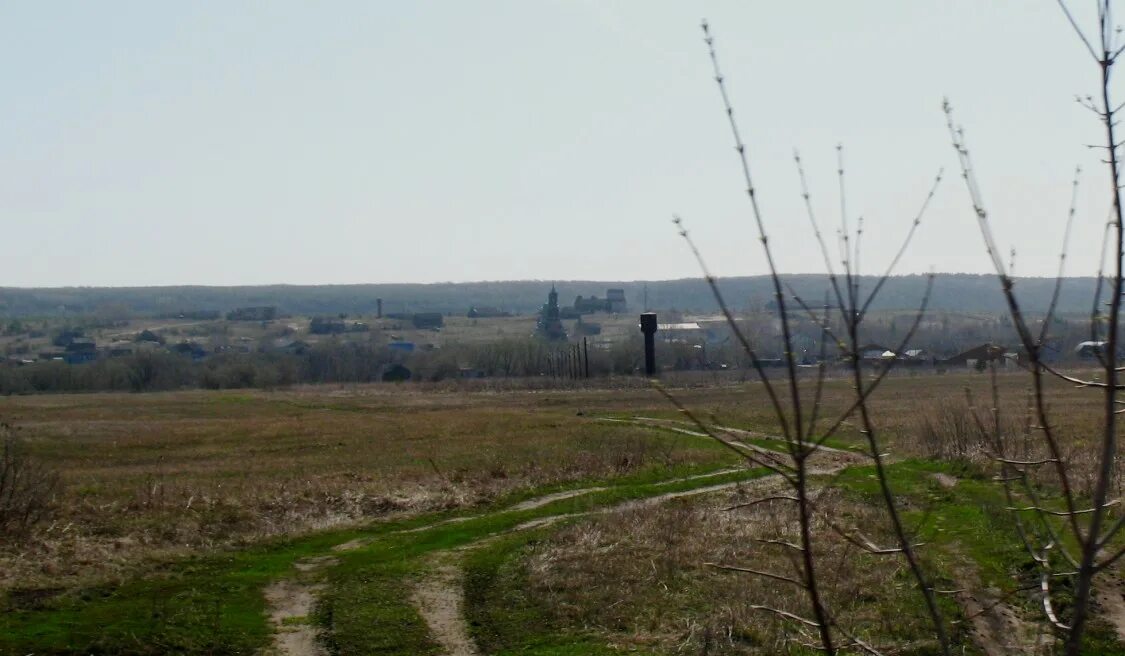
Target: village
<point>397,343</point>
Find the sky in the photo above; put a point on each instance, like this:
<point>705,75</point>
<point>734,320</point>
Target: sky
<point>227,143</point>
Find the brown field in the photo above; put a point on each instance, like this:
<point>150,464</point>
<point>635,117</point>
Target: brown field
<point>157,473</point>
<point>148,478</point>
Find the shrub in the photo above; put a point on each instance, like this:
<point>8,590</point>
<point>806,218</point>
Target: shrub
<point>948,431</point>
<point>27,487</point>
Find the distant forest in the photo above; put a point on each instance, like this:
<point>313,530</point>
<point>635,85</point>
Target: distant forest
<point>951,292</point>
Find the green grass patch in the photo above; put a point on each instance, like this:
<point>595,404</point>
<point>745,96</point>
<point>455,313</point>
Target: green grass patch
<point>504,619</point>
<point>968,520</point>
<point>214,604</point>
<point>366,610</point>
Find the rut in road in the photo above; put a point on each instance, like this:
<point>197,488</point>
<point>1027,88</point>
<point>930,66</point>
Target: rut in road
<point>438,596</point>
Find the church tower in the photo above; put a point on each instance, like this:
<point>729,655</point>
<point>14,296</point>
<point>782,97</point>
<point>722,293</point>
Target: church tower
<point>553,305</point>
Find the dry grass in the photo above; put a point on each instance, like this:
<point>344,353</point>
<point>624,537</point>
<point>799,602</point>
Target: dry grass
<point>639,576</point>
<point>27,488</point>
<point>162,474</point>
<point>154,475</point>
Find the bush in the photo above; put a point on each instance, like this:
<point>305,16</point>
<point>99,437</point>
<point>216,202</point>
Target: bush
<point>949,432</point>
<point>27,487</point>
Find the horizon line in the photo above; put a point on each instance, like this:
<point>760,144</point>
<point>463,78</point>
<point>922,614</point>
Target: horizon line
<point>516,280</point>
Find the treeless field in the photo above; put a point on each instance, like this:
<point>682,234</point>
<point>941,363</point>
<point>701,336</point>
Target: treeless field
<point>159,473</point>
<point>149,479</point>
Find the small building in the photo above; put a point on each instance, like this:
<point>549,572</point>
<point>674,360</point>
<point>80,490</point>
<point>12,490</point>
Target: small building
<point>64,338</point>
<point>82,345</point>
<point>615,300</point>
<point>424,320</point>
<point>486,312</point>
<point>687,331</point>
<point>1090,350</point>
<point>119,350</point>
<point>327,326</point>
<point>147,335</point>
<point>198,315</point>
<point>915,358</point>
<point>875,353</point>
<point>189,349</point>
<point>589,305</point>
<point>978,356</point>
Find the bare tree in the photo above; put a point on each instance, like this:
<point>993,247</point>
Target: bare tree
<point>799,412</point>
<point>1090,524</point>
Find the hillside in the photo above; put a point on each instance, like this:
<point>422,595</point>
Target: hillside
<point>953,292</point>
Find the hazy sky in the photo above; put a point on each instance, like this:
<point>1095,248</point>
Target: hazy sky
<point>146,143</point>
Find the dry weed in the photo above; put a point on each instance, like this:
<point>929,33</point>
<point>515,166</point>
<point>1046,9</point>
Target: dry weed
<point>27,488</point>
<point>640,576</point>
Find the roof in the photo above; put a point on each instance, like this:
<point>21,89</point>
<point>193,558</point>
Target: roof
<point>679,326</point>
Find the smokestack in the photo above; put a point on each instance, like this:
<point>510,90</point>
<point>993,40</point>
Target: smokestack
<point>379,308</point>
<point>648,327</point>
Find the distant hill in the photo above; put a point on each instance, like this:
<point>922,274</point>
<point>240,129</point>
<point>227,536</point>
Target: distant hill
<point>953,292</point>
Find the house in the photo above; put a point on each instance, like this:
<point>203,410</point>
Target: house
<point>327,326</point>
<point>486,312</point>
<point>189,349</point>
<point>81,345</point>
<point>1090,350</point>
<point>149,336</point>
<point>615,300</point>
<point>119,349</point>
<point>688,331</point>
<point>875,353</point>
<point>424,320</point>
<point>79,350</point>
<point>915,358</point>
<point>590,305</point>
<point>979,356</point>
<point>65,337</point>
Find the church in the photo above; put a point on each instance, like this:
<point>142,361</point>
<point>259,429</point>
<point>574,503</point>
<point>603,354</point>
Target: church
<point>549,325</point>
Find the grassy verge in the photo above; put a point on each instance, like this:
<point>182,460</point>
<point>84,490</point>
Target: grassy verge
<point>505,619</point>
<point>214,604</point>
<point>968,521</point>
<point>965,528</point>
<point>627,419</point>
<point>365,609</point>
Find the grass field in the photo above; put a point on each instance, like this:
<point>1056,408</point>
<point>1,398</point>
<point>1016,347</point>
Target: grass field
<point>179,511</point>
